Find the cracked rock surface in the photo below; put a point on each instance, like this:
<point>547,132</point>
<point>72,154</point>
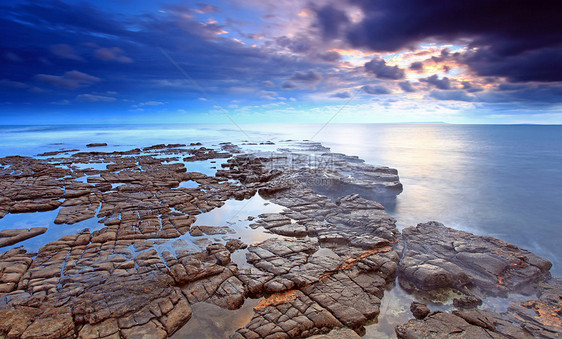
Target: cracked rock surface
<point>328,257</point>
<point>438,257</point>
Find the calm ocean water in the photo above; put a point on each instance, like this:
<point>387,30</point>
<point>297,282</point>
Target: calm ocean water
<point>503,181</point>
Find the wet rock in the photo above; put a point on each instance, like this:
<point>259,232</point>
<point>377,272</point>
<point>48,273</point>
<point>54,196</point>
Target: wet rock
<point>341,295</point>
<point>467,302</point>
<point>103,329</point>
<point>340,333</point>
<point>235,244</point>
<point>195,232</point>
<point>48,154</point>
<point>541,317</point>
<point>214,230</point>
<point>476,324</point>
<point>164,147</point>
<point>441,257</point>
<point>280,224</point>
<point>13,265</point>
<point>290,314</point>
<point>419,310</point>
<point>13,236</point>
<point>114,283</point>
<point>97,144</point>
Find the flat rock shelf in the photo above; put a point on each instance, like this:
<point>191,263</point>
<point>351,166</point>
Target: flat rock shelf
<point>286,241</point>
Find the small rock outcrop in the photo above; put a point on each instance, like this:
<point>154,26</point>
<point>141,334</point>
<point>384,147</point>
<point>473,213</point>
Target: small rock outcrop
<point>440,257</point>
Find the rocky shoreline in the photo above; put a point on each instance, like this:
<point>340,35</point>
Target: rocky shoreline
<point>329,254</point>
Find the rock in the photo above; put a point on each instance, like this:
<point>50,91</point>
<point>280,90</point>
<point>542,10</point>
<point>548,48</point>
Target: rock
<point>214,230</point>
<point>340,333</point>
<point>235,244</point>
<point>541,317</point>
<point>13,236</point>
<point>113,282</point>
<point>54,323</point>
<point>103,329</point>
<point>419,310</point>
<point>151,329</point>
<point>291,314</point>
<point>467,302</point>
<point>97,144</point>
<point>195,232</point>
<point>441,257</point>
<point>177,316</point>
<point>446,325</point>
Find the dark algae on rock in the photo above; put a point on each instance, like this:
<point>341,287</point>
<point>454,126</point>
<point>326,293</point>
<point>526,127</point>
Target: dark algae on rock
<point>329,254</point>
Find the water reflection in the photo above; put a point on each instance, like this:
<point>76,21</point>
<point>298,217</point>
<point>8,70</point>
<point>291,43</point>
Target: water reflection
<point>210,321</point>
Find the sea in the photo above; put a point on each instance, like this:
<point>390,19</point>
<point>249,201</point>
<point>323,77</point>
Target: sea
<point>503,181</point>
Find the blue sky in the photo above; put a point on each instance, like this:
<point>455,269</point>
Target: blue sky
<point>484,61</point>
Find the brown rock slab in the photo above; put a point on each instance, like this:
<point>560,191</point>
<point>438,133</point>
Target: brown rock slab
<point>13,236</point>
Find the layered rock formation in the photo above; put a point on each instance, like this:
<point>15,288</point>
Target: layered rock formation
<point>324,271</point>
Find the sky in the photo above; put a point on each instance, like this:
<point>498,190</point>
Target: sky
<point>360,61</point>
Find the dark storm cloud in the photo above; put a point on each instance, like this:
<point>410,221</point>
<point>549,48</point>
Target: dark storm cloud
<point>532,65</point>
<point>331,20</point>
<point>531,94</point>
<point>518,39</point>
<point>381,70</point>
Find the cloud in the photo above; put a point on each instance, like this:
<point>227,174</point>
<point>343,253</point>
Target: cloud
<point>64,102</point>
<point>12,84</point>
<point>377,90</point>
<point>469,87</point>
<point>292,52</point>
<point>94,98</point>
<point>406,86</point>
<point>434,80</point>
<point>113,53</point>
<point>514,39</point>
<point>206,8</point>
<point>331,56</point>
<point>268,95</point>
<point>289,85</point>
<point>537,65</point>
<point>531,95</point>
<point>309,76</point>
<point>398,24</point>
<point>456,95</point>
<point>72,79</point>
<point>149,103</point>
<point>341,95</point>
<point>299,44</point>
<point>65,51</point>
<point>331,20</point>
<point>416,66</point>
<point>378,67</point>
